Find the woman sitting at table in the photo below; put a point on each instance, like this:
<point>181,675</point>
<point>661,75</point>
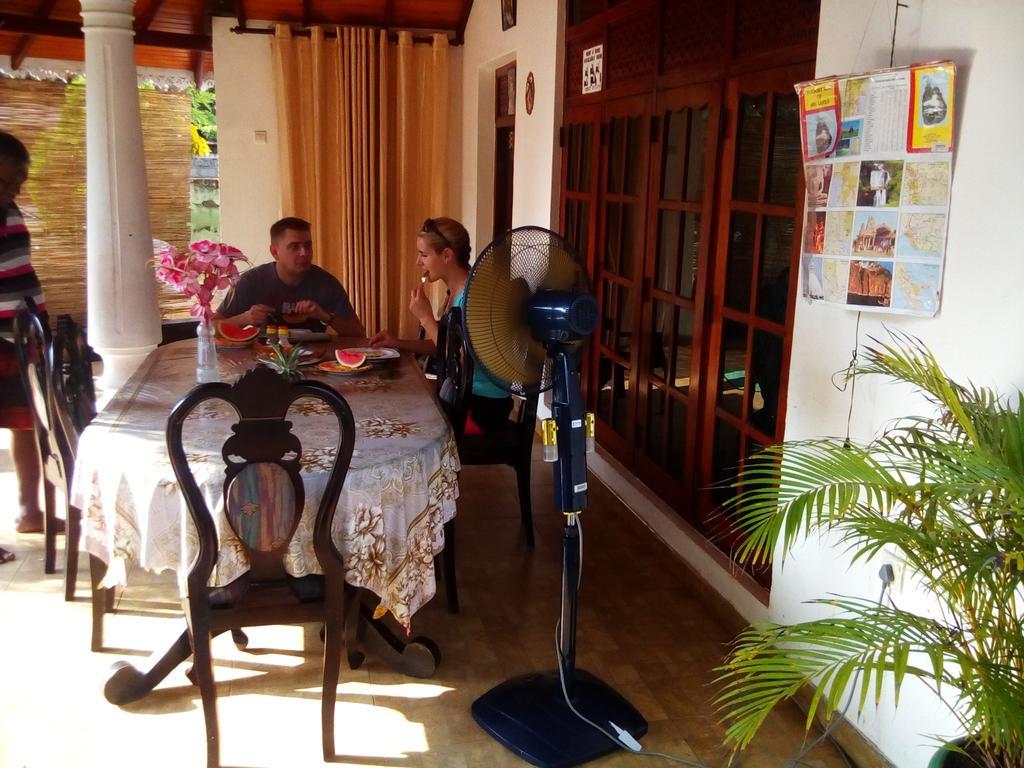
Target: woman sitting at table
<point>442,252</point>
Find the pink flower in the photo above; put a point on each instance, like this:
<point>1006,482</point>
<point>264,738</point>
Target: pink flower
<point>204,268</point>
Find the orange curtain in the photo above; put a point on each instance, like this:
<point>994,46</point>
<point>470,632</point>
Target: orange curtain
<point>363,128</point>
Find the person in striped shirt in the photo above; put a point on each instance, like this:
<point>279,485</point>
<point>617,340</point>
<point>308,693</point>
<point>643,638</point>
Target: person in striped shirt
<point>18,282</point>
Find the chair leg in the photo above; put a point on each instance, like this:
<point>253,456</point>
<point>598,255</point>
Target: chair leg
<point>102,600</point>
<point>202,668</point>
<point>450,585</point>
<point>333,640</point>
<point>71,542</point>
<point>49,528</point>
<point>525,505</point>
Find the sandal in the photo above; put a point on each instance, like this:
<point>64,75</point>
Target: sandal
<point>6,556</point>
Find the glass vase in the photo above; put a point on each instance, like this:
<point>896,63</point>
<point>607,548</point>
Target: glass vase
<point>206,353</point>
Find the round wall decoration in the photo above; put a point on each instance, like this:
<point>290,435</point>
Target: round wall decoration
<point>530,89</point>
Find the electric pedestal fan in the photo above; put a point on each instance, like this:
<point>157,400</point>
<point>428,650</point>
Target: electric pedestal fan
<point>528,314</point>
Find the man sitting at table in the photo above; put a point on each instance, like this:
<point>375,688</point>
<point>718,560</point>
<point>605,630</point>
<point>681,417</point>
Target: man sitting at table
<point>291,289</point>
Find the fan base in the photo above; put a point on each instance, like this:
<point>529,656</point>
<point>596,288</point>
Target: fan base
<point>529,715</point>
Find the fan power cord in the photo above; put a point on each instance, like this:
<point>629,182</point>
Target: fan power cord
<point>621,737</point>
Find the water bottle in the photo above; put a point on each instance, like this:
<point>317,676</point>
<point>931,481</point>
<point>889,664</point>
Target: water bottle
<point>206,354</point>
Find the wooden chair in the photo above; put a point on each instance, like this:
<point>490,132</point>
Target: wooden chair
<point>73,403</point>
<point>264,497</point>
<point>512,445</point>
<point>34,358</point>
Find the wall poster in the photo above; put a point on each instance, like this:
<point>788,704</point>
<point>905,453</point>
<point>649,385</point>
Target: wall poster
<point>593,69</point>
<point>878,153</point>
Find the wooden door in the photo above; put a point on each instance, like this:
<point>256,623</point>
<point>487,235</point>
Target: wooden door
<point>756,264</point>
<point>685,132</point>
<point>612,391</point>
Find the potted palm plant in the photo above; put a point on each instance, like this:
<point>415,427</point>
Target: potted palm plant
<point>945,494</point>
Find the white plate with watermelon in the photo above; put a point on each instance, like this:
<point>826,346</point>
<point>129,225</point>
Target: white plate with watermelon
<point>373,354</point>
<point>346,361</point>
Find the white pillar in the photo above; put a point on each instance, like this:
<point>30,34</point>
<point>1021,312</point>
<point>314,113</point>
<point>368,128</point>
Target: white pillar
<point>124,323</point>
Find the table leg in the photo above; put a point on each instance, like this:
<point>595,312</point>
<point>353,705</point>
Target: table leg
<point>418,657</point>
<point>128,684</point>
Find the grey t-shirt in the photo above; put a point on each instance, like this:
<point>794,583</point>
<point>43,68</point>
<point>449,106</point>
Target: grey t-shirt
<point>261,285</point>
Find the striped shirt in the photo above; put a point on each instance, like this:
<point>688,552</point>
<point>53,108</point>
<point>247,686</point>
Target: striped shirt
<point>17,278</point>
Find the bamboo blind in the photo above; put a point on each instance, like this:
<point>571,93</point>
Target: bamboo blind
<point>49,117</point>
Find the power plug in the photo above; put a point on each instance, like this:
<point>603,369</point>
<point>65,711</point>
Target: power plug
<point>886,574</point>
<point>626,738</point>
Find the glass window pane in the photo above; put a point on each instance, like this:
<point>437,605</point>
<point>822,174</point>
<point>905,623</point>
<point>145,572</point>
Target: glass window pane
<point>604,386</point>
<point>674,154</point>
<point>785,151</point>
<point>765,374</point>
<point>740,265</point>
<point>624,320</point>
<point>749,147</point>
<point>661,336</point>
<point>689,256</point>
<point>620,397</point>
<point>630,239</point>
<point>636,146</point>
<point>677,439</point>
<point>773,270</point>
<point>732,367</point>
<point>668,249</point>
<point>695,157</point>
<point>683,352</point>
<point>612,237</point>
<point>725,460</point>
<point>607,313</point>
<point>586,157</point>
<point>655,446</point>
<point>617,136</point>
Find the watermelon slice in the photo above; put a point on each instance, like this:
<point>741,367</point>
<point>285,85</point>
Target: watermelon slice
<point>236,334</point>
<point>350,359</point>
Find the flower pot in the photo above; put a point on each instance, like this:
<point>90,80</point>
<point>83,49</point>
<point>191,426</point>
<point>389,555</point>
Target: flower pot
<point>945,758</point>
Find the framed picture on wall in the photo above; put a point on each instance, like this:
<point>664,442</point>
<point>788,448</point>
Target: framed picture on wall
<point>508,14</point>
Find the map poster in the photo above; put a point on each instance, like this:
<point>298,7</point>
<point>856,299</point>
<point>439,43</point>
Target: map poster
<point>878,200</point>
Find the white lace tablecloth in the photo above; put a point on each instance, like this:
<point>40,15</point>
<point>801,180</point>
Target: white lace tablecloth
<point>400,489</point>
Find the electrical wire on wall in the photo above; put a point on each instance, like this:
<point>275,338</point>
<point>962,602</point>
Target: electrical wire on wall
<point>846,377</point>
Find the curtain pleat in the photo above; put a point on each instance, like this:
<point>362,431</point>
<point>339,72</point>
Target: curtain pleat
<point>363,127</point>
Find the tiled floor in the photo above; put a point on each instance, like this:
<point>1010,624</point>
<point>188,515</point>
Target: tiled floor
<point>642,628</point>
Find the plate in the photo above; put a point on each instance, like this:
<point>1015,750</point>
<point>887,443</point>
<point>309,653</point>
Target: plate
<point>375,354</point>
<point>331,366</point>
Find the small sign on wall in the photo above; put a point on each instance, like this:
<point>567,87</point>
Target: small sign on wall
<point>593,69</point>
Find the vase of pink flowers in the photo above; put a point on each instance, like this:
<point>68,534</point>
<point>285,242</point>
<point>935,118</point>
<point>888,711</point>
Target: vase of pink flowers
<point>197,272</point>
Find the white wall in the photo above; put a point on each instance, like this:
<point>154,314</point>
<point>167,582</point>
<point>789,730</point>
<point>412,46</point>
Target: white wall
<point>535,44</point>
<point>250,177</point>
<point>977,333</point>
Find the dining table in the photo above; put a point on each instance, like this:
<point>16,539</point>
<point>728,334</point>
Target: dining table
<point>400,490</point>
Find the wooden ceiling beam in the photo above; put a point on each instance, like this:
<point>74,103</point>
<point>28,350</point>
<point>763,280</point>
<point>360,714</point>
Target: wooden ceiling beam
<point>240,12</point>
<point>460,31</point>
<point>43,11</point>
<point>10,22</point>
<point>146,16</point>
